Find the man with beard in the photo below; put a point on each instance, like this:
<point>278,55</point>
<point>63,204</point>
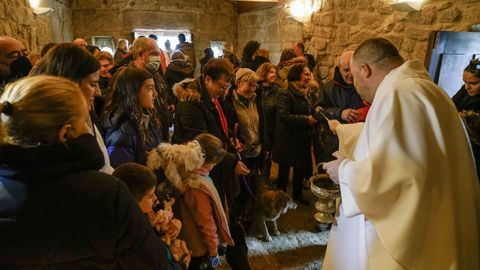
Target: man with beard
<point>14,62</point>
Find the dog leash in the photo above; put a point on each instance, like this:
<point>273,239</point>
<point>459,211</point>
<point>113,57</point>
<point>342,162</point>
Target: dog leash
<point>244,179</point>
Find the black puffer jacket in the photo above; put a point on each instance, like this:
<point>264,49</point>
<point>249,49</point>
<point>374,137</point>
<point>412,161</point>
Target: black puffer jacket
<point>269,102</point>
<point>293,134</point>
<point>123,141</point>
<point>195,112</point>
<point>58,212</point>
<point>464,102</point>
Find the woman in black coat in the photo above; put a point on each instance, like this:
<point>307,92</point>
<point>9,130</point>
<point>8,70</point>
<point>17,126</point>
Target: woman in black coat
<point>293,131</point>
<point>57,211</point>
<point>268,90</point>
<point>468,97</point>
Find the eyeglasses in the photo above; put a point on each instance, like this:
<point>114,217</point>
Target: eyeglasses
<point>223,85</point>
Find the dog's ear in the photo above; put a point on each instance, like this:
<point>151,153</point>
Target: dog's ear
<point>281,200</point>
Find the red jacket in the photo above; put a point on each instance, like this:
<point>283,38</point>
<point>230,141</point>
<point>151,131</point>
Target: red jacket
<point>204,221</point>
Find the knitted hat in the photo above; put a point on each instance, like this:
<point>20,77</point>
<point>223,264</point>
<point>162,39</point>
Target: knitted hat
<point>246,75</point>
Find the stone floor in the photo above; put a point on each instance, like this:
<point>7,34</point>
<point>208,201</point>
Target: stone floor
<point>300,245</point>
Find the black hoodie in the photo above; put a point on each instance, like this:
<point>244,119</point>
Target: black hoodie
<point>57,211</point>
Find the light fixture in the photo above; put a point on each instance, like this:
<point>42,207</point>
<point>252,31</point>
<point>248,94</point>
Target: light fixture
<point>406,6</point>
<point>39,10</point>
<point>302,10</point>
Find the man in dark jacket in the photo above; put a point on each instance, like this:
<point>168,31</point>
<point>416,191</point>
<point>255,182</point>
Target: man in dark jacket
<point>200,109</point>
<point>339,100</point>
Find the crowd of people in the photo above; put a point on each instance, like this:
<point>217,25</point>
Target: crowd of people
<point>186,150</point>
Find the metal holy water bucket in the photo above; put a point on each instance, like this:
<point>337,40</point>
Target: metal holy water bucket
<point>326,191</point>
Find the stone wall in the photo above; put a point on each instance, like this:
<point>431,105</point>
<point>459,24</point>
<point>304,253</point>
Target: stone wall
<point>206,19</point>
<point>19,21</point>
<point>342,25</point>
<point>272,28</point>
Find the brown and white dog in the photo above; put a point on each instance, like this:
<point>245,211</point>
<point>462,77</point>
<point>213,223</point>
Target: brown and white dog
<point>269,205</point>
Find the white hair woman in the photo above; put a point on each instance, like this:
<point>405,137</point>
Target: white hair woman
<point>56,209</point>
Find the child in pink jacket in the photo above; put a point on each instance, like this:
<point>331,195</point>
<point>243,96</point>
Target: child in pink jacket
<point>186,167</point>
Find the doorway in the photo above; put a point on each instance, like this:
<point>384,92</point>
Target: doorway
<point>450,54</point>
<point>164,35</point>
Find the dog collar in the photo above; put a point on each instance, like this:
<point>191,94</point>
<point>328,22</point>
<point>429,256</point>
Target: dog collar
<point>215,261</point>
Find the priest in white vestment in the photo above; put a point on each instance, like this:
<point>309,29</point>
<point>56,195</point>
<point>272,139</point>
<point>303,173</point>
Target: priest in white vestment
<point>410,194</point>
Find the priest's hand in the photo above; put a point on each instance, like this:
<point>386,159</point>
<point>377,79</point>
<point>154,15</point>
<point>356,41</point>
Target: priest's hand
<point>332,167</point>
<point>333,125</point>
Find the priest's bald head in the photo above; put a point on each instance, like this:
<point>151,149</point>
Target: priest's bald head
<point>371,62</point>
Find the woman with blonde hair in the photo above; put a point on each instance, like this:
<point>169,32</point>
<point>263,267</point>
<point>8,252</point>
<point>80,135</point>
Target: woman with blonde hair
<point>57,211</point>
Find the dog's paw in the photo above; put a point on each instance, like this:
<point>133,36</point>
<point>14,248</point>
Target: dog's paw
<point>268,239</point>
<point>276,233</point>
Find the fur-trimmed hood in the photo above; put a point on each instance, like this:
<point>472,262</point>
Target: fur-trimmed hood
<point>179,162</point>
<point>189,90</point>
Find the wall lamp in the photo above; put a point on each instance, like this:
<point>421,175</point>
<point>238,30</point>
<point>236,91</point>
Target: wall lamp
<point>406,6</point>
<point>40,9</point>
<point>302,10</point>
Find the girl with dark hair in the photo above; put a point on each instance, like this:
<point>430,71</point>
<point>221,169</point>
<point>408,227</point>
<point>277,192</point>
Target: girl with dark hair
<point>130,122</point>
<point>293,131</point>
<point>468,97</point>
<point>71,62</point>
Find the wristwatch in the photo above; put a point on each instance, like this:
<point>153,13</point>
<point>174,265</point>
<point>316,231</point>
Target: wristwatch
<point>215,261</point>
